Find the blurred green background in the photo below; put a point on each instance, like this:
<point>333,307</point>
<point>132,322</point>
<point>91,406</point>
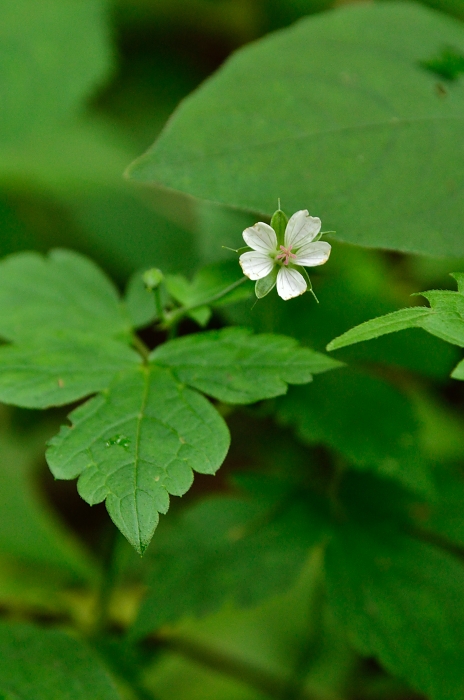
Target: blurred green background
<point>85,87</point>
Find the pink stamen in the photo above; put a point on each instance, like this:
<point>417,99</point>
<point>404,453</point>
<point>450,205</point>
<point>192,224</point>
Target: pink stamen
<point>285,255</point>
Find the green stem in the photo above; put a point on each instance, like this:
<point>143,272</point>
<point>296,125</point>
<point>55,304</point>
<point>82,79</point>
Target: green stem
<point>141,347</point>
<point>177,315</point>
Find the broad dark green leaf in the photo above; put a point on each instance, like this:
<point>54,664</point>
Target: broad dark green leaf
<point>44,664</point>
<point>40,296</point>
<point>336,113</point>
<point>52,55</point>
<point>224,549</point>
<point>135,444</point>
<point>362,418</point>
<point>401,601</point>
<point>235,366</point>
<point>62,369</point>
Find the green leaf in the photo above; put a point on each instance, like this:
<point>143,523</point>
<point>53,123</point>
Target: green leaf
<point>239,549</point>
<point>59,370</point>
<point>41,664</point>
<point>444,319</point>
<point>52,56</point>
<point>335,112</point>
<point>390,323</point>
<point>140,301</point>
<point>458,371</point>
<point>362,418</point>
<point>208,282</point>
<point>401,601</point>
<point>235,366</point>
<point>41,296</point>
<point>135,444</point>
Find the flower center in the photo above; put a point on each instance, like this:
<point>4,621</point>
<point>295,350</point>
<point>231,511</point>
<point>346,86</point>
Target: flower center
<point>285,255</point>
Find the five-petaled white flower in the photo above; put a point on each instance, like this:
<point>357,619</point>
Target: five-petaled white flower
<point>281,262</point>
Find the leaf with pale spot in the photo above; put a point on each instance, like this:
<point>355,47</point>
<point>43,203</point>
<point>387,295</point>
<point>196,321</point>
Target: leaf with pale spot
<point>135,444</point>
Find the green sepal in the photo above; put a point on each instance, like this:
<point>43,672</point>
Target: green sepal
<point>266,284</point>
<point>279,223</point>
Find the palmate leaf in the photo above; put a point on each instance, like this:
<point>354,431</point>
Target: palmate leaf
<point>235,366</point>
<point>135,444</point>
<point>444,319</point>
<point>41,664</point>
<point>141,438</point>
<point>337,111</point>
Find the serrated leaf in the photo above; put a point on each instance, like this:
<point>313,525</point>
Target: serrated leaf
<point>401,601</point>
<point>59,370</point>
<point>44,664</point>
<point>42,295</point>
<point>135,444</point>
<point>234,366</point>
<point>225,549</point>
<point>335,111</point>
<point>390,323</point>
<point>347,411</point>
<point>444,319</point>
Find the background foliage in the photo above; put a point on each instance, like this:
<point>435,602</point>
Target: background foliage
<point>325,560</point>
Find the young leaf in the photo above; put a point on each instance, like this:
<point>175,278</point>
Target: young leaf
<point>45,664</point>
<point>234,366</point>
<point>306,114</point>
<point>40,296</point>
<point>239,549</point>
<point>401,601</point>
<point>135,444</point>
<point>390,323</point>
<point>62,369</point>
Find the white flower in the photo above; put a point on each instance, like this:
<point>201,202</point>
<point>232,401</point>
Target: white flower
<point>280,262</point>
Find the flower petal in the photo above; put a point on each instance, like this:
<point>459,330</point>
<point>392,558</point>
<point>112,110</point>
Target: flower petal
<point>313,254</point>
<point>256,265</point>
<point>290,283</point>
<point>261,237</point>
<point>301,229</point>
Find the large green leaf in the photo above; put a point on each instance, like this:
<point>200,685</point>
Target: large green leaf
<point>402,602</point>
<point>41,664</point>
<point>240,549</point>
<point>336,114</point>
<point>236,367</point>
<point>364,419</point>
<point>135,444</point>
<point>61,369</point>
<point>52,55</point>
<point>63,292</point>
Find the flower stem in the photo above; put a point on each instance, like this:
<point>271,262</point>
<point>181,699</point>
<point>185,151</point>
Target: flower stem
<point>172,318</point>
